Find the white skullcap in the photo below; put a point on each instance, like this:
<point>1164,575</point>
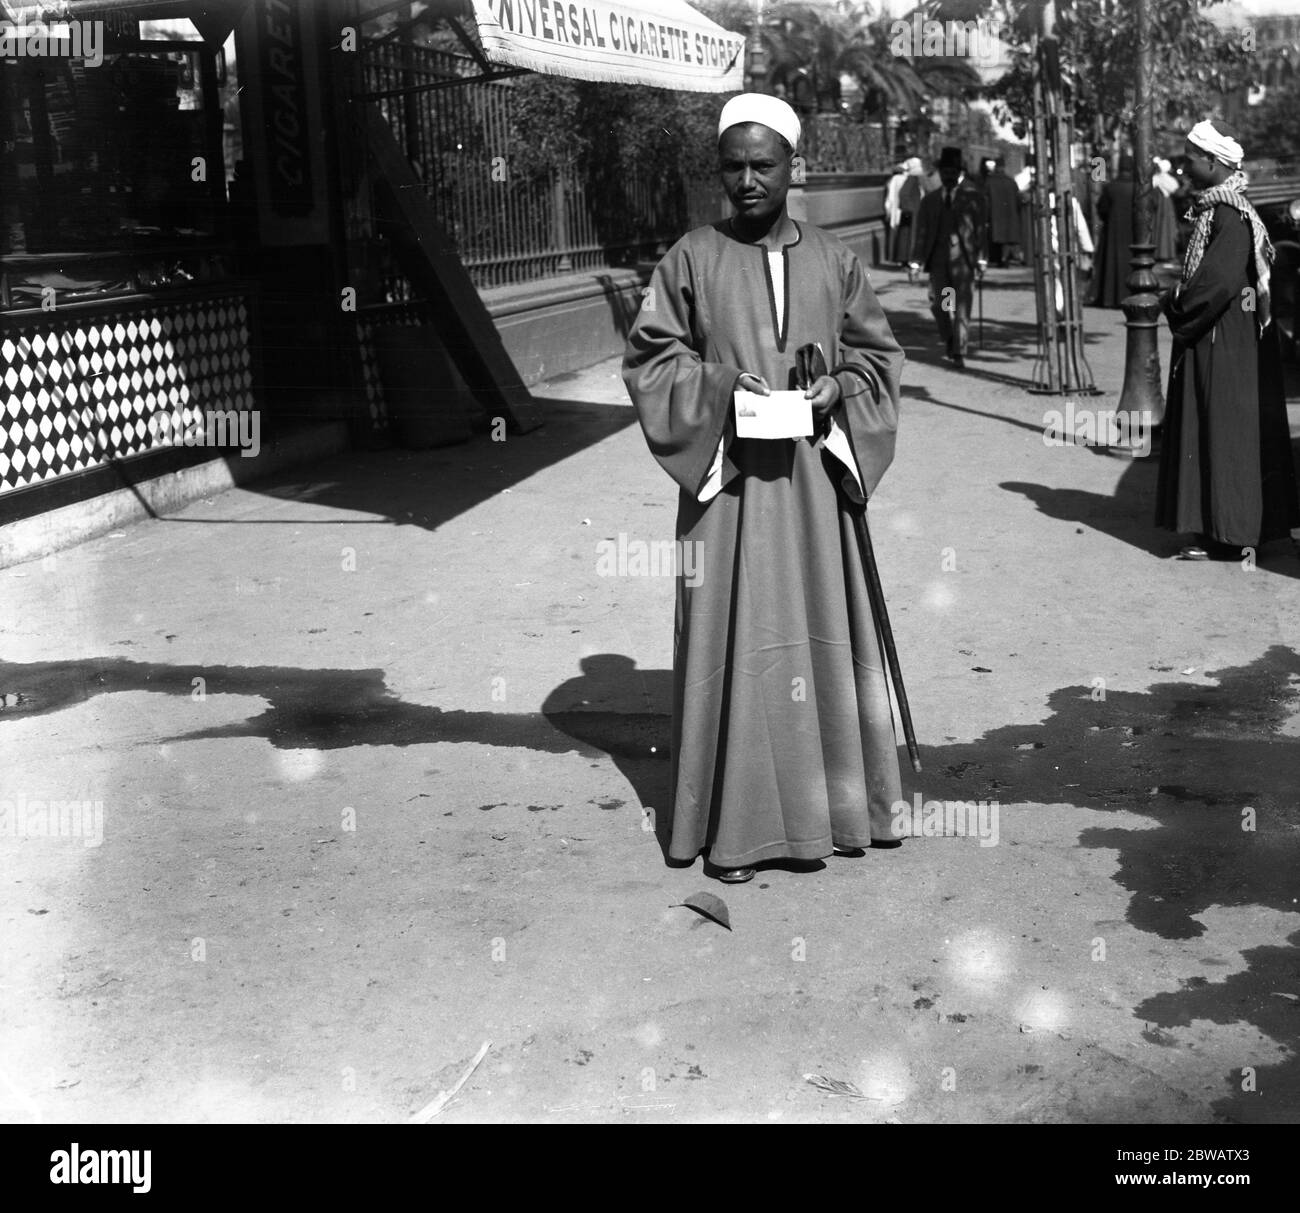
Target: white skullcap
<point>769,111</point>
<point>912,164</point>
<point>1224,149</point>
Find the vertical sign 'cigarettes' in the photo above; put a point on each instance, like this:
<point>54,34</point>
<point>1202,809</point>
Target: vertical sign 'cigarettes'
<point>286,107</point>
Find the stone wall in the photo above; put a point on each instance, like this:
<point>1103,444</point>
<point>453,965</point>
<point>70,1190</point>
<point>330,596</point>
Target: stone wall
<point>566,324</point>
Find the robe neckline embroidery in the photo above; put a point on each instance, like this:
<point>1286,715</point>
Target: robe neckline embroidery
<point>781,325</point>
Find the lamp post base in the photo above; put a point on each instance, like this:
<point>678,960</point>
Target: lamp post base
<point>1142,397</point>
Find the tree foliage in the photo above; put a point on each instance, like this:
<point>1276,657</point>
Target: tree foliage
<point>608,132</point>
<point>1273,126</point>
<point>611,129</point>
<point>808,46</point>
<point>1193,60</point>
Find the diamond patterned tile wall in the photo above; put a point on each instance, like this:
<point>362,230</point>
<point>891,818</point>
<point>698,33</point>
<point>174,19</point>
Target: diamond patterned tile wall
<point>412,313</point>
<point>81,388</point>
<point>374,385</point>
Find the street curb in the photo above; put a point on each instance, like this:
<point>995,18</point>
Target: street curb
<point>33,538</point>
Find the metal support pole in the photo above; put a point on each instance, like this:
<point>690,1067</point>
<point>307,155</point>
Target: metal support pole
<point>1142,398</point>
<point>1061,366</point>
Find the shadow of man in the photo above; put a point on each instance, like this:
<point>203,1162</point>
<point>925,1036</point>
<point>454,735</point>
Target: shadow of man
<point>1127,514</point>
<point>627,713</point>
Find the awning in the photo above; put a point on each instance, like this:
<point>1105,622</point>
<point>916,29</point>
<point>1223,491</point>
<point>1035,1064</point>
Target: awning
<point>662,43</point>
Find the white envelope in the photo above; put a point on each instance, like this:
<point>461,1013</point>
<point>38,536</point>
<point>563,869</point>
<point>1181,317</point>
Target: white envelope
<point>780,415</point>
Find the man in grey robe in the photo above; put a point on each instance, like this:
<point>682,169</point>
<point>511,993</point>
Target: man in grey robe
<point>783,741</point>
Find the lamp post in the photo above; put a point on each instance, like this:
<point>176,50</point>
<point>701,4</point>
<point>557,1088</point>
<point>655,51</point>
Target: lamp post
<point>757,56</point>
<point>1142,398</point>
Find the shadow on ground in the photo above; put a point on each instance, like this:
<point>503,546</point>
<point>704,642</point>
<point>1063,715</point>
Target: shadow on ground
<point>427,488</point>
<point>924,394</point>
<point>1128,514</point>
<point>1002,352</point>
<point>1191,758</point>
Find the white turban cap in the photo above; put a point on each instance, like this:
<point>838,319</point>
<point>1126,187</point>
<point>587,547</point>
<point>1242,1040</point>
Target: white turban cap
<point>769,111</point>
<point>1224,149</point>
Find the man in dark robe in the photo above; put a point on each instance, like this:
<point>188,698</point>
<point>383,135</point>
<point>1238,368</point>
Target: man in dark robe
<point>783,741</point>
<point>1004,213</point>
<point>1227,476</point>
<point>951,245</point>
<point>1115,210</point>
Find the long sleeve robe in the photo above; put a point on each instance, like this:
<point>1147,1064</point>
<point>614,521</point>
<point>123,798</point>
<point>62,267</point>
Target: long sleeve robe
<point>783,740</point>
<point>1226,468</point>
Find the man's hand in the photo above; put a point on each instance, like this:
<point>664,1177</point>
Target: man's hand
<point>753,383</point>
<point>980,266</point>
<point>823,395</point>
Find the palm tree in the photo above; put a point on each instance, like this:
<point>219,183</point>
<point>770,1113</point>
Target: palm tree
<point>895,84</point>
<point>890,83</point>
<point>794,37</point>
<point>809,46</point>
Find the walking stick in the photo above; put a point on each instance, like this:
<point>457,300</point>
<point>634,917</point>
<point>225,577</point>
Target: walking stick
<point>810,365</point>
<point>876,593</point>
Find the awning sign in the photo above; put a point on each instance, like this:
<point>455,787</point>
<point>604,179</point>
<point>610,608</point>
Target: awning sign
<point>663,43</point>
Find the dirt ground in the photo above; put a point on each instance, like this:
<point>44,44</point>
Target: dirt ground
<point>380,758</point>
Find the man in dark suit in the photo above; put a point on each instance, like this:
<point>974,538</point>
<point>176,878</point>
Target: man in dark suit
<point>951,245</point>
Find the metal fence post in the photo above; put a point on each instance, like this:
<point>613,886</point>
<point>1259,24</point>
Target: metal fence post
<point>560,220</point>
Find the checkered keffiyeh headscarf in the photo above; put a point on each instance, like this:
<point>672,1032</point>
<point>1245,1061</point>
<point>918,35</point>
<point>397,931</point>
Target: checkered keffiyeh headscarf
<point>1231,193</point>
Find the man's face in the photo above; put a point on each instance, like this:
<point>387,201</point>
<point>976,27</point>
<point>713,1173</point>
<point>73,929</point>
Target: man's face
<point>949,175</point>
<point>755,167</point>
<point>1200,170</point>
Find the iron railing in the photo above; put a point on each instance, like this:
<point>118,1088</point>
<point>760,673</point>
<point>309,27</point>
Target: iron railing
<point>834,144</point>
<point>508,226</point>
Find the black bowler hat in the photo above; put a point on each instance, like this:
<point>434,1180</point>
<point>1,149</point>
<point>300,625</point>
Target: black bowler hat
<point>951,157</point>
